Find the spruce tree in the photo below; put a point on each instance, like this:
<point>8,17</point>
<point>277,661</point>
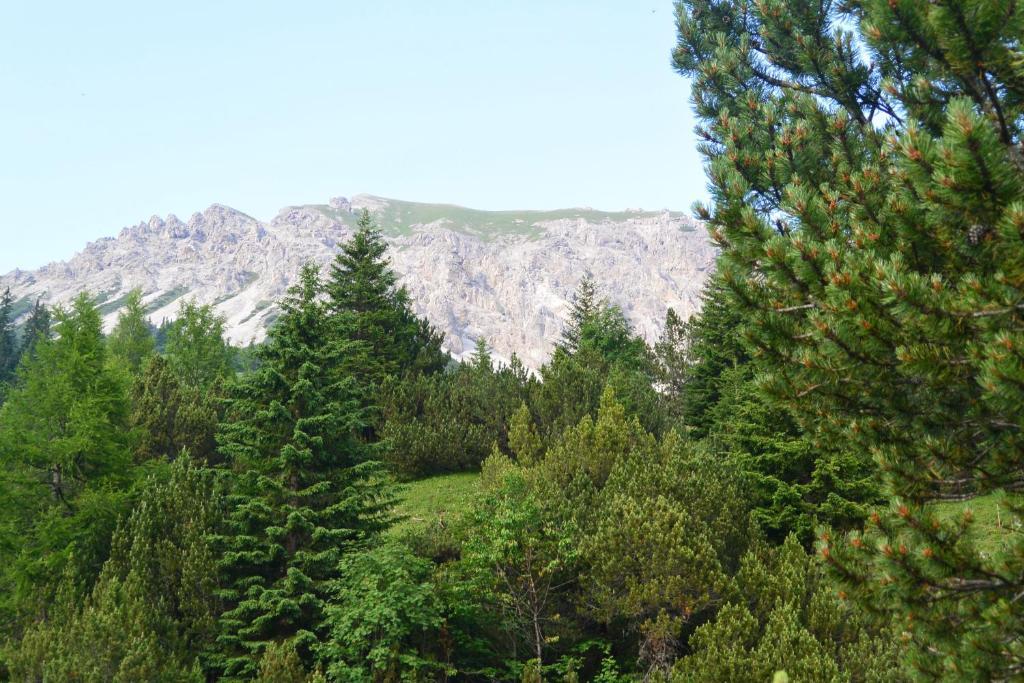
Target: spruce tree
<point>867,183</point>
<point>584,305</point>
<point>8,343</point>
<point>368,306</point>
<point>305,491</point>
<point>131,340</point>
<point>37,327</point>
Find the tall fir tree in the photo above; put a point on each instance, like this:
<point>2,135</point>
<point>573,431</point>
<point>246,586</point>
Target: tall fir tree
<point>305,489</point>
<point>585,304</point>
<point>37,327</point>
<point>867,183</point>
<point>369,306</point>
<point>8,342</point>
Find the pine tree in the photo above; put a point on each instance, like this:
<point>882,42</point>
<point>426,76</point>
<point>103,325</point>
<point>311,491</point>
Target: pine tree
<point>151,613</point>
<point>369,306</point>
<point>305,489</point>
<point>867,186</point>
<point>171,418</point>
<point>131,340</point>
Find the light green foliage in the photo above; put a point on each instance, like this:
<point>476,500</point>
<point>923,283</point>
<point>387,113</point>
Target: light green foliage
<point>281,664</point>
<point>398,218</point>
<point>151,613</point>
<point>440,500</point>
<point>195,347</point>
<point>785,616</point>
<point>385,619</point>
<point>131,342</point>
<point>519,563</point>
<point>65,461</point>
<point>523,441</point>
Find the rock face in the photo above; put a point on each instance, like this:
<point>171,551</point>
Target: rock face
<point>504,275</point>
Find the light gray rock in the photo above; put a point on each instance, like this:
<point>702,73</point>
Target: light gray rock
<point>507,276</point>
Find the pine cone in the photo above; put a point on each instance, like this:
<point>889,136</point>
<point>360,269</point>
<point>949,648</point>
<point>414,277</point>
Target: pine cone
<point>976,234</point>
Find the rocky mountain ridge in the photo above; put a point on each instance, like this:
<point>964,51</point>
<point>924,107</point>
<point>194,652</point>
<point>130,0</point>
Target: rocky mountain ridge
<point>504,275</point>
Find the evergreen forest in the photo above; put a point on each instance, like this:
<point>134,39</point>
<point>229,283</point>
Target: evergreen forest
<point>819,477</point>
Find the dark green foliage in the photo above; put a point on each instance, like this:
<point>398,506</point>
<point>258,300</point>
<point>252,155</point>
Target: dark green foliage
<point>304,488</point>
<point>64,449</point>
<point>170,418</point>
<point>38,326</point>
<point>8,342</point>
<point>131,341</point>
<point>867,187</point>
<point>696,355</point>
<point>447,422</point>
<point>602,350</point>
<point>368,306</point>
<point>584,305</point>
<point>195,347</point>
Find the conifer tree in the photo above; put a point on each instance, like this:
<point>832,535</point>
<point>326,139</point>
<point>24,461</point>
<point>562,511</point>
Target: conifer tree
<point>369,306</point>
<point>131,340</point>
<point>38,326</point>
<point>195,346</point>
<point>867,183</point>
<point>305,489</point>
<point>171,418</point>
<point>151,614</point>
<point>8,343</point>
<point>584,305</point>
<point>64,449</point>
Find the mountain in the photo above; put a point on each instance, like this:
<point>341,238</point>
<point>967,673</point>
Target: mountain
<point>503,275</point>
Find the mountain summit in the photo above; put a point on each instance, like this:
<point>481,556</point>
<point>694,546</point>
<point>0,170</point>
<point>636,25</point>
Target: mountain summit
<point>502,275</point>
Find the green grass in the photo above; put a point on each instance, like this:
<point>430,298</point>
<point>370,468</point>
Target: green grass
<point>398,218</point>
<point>995,524</point>
<point>425,501</point>
<point>166,298</point>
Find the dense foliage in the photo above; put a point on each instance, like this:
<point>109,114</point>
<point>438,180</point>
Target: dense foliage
<point>866,173</point>
<point>181,510</point>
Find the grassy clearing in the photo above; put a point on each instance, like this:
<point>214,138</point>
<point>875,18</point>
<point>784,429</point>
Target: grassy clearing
<point>428,500</point>
<point>996,525</point>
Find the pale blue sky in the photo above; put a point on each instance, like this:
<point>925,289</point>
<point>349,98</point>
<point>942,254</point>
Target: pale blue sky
<point>111,111</point>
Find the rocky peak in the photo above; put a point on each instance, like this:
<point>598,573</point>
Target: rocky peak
<point>505,276</point>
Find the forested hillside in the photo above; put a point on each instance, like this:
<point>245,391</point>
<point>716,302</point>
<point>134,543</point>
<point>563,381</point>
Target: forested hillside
<point>817,478</point>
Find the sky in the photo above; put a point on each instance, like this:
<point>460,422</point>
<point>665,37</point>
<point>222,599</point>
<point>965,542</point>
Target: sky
<point>111,111</point>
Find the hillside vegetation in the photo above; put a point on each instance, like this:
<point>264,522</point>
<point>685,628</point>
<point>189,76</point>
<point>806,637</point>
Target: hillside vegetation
<point>816,478</point>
